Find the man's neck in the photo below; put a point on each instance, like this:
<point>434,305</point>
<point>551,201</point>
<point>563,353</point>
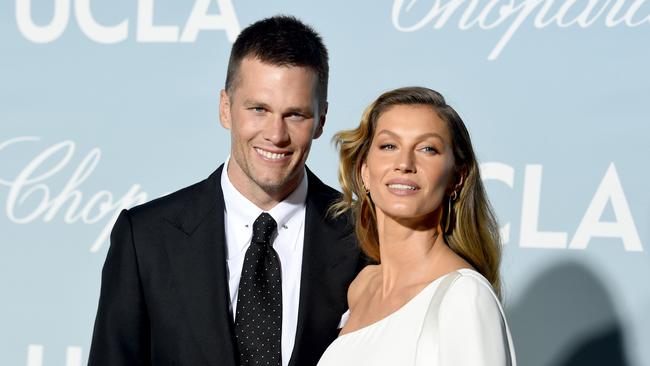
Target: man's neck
<point>263,198</point>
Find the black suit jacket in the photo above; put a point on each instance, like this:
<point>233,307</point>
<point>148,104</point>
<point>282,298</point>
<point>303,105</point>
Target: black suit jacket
<point>164,296</point>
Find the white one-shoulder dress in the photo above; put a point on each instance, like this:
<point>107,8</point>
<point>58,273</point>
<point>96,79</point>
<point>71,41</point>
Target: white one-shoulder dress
<point>456,320</point>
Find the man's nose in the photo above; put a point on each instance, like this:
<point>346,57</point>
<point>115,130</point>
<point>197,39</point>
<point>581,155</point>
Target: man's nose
<point>276,131</point>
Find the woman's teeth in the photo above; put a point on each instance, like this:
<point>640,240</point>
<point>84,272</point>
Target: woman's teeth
<point>401,186</point>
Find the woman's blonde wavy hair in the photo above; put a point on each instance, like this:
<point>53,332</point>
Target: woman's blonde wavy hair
<point>473,232</point>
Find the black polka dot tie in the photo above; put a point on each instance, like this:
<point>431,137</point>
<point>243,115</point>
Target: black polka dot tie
<point>258,321</point>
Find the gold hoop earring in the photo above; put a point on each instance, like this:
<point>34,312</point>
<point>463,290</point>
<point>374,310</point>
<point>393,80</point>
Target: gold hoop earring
<point>450,209</point>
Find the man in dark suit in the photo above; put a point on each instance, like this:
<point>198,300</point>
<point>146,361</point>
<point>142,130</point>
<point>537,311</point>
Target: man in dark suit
<point>246,266</point>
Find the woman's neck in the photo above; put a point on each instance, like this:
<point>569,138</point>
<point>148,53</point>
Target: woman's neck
<point>409,250</point>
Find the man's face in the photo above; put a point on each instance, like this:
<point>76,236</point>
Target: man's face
<point>273,115</point>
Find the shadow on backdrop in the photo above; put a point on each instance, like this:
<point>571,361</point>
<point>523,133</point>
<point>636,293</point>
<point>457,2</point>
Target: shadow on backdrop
<point>566,318</point>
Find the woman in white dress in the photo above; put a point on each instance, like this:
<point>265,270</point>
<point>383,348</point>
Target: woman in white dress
<point>411,179</point>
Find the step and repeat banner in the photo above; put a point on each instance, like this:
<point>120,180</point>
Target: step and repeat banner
<point>108,104</point>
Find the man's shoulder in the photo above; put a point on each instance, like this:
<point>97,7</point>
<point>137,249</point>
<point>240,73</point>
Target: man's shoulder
<point>320,199</point>
<point>320,190</point>
<point>173,204</point>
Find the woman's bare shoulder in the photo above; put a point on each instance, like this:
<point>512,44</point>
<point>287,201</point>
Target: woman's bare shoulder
<point>360,283</point>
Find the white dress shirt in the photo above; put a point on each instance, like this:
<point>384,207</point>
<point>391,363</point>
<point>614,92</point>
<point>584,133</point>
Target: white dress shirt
<point>290,217</point>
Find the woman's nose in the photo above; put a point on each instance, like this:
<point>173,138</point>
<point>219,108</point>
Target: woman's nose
<point>406,162</point>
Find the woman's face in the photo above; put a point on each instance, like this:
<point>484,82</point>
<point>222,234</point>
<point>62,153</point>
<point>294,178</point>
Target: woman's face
<point>410,164</point>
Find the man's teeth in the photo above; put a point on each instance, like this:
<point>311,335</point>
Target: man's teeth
<point>401,186</point>
<point>270,155</point>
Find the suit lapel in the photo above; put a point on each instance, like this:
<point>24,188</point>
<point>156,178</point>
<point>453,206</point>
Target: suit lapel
<point>197,255</point>
<point>322,292</point>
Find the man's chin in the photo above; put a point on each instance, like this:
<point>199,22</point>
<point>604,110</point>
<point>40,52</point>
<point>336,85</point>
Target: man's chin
<point>272,184</point>
<point>277,184</point>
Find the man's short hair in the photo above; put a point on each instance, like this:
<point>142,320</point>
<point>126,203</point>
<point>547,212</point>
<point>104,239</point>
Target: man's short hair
<point>282,41</point>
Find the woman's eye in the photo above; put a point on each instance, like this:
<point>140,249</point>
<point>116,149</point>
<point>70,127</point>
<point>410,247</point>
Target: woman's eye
<point>429,149</point>
<point>387,147</point>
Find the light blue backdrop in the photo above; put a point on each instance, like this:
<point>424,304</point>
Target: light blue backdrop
<point>107,103</point>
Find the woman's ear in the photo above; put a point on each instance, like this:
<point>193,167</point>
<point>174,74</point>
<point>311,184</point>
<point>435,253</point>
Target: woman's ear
<point>365,177</point>
<point>459,180</point>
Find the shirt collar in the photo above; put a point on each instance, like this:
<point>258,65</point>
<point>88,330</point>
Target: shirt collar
<point>244,212</point>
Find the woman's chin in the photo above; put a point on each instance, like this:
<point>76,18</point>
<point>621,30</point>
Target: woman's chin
<point>408,214</point>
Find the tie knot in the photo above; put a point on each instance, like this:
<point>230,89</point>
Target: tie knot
<point>263,228</point>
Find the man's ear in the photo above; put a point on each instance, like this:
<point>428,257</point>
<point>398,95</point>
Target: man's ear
<point>321,121</point>
<point>224,109</point>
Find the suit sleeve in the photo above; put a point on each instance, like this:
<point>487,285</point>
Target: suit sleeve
<point>121,333</point>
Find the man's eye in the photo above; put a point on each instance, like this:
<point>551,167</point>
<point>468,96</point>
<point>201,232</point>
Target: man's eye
<point>258,109</point>
<point>296,116</point>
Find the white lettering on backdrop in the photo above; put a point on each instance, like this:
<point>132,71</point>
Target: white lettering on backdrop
<point>29,185</point>
<point>490,14</point>
<point>146,31</point>
<point>591,226</point>
<point>35,355</point>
